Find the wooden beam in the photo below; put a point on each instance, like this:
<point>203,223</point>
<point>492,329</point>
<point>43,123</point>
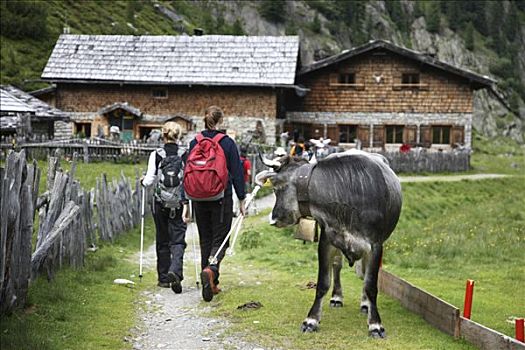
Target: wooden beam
<point>486,338</point>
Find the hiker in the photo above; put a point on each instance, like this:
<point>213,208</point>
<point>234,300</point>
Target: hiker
<point>165,172</point>
<point>299,148</point>
<point>211,193</point>
<point>247,169</point>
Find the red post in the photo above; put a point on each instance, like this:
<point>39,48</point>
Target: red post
<point>519,330</point>
<point>467,308</point>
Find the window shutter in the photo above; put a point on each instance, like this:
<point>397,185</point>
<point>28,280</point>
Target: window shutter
<point>363,134</point>
<point>332,134</point>
<point>458,135</point>
<point>426,135</point>
<point>410,135</point>
<point>379,136</point>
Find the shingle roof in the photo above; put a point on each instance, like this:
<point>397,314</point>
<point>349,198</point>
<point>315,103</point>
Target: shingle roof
<point>207,60</point>
<point>39,107</point>
<point>9,103</point>
<point>480,81</point>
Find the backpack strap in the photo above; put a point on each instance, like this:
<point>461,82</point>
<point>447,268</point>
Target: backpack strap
<point>217,138</point>
<point>158,158</point>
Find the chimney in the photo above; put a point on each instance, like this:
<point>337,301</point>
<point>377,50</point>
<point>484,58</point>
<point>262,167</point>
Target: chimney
<point>198,31</point>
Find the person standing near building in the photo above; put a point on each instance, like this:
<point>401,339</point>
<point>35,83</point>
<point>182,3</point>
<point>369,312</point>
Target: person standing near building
<point>165,173</point>
<point>247,169</point>
<point>213,213</point>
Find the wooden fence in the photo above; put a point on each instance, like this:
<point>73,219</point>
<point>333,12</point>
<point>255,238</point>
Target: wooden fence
<point>68,219</point>
<point>431,162</point>
<point>443,315</point>
<point>90,149</point>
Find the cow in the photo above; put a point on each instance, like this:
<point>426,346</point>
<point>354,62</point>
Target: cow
<point>356,199</point>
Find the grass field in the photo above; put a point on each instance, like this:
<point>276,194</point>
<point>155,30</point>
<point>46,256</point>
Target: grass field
<point>448,232</point>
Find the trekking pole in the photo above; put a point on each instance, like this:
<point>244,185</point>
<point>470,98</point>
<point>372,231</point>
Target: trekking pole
<point>241,218</point>
<point>142,231</point>
<point>236,225</point>
<point>195,235</point>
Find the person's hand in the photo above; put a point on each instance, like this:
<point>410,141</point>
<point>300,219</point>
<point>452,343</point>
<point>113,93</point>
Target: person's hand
<point>242,209</point>
<point>186,214</point>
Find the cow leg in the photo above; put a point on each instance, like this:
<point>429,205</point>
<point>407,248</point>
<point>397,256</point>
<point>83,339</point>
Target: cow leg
<point>337,291</point>
<point>369,298</point>
<point>311,323</point>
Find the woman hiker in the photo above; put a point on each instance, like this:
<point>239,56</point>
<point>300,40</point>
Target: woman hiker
<point>214,214</point>
<point>165,172</point>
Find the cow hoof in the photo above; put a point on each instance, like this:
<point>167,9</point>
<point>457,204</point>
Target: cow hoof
<point>364,309</point>
<point>310,325</point>
<point>336,302</point>
<point>376,331</point>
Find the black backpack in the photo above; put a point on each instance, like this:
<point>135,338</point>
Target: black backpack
<point>169,189</point>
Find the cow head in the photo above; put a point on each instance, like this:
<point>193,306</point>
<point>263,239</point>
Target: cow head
<point>286,210</point>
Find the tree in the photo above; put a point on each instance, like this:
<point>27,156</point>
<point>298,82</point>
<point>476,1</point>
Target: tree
<point>433,16</point>
<point>273,10</point>
<point>469,36</point>
<point>237,28</point>
<point>24,19</point>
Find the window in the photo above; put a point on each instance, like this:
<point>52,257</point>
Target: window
<point>410,78</point>
<point>347,133</point>
<point>346,78</point>
<point>441,135</point>
<point>159,93</point>
<point>394,134</point>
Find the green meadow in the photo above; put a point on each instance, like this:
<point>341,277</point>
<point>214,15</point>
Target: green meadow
<point>448,232</point>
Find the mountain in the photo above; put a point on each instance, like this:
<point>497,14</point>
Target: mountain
<point>487,37</point>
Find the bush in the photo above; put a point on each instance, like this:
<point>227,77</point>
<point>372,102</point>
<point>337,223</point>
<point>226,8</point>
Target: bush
<point>273,10</point>
<point>251,239</point>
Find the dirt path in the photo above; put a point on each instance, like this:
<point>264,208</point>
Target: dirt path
<point>178,321</point>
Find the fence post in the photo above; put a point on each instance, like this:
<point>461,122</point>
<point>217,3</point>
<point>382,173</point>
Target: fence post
<point>469,291</point>
<point>519,330</point>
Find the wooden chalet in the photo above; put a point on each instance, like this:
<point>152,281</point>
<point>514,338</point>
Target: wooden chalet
<point>136,83</point>
<point>27,116</point>
<point>380,96</point>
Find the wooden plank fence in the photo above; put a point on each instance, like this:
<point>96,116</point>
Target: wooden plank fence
<point>443,315</point>
<point>431,162</point>
<point>90,149</point>
<point>69,218</point>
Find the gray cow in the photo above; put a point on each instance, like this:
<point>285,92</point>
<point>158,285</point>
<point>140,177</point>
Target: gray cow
<point>356,199</point>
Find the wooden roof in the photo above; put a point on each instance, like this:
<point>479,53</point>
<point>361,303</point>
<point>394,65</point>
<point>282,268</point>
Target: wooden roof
<point>180,60</point>
<point>9,103</point>
<point>39,109</point>
<point>478,81</point>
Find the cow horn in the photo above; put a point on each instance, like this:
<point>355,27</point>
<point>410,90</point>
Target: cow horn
<point>275,164</point>
<point>264,175</point>
<point>313,160</point>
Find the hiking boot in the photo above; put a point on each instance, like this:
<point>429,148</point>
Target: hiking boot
<point>176,286</point>
<point>208,285</point>
<point>216,289</point>
<point>163,284</point>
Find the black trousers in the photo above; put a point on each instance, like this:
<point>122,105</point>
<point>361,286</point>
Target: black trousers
<point>214,220</point>
<point>170,241</point>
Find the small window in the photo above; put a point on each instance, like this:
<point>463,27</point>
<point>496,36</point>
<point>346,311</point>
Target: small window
<point>410,79</point>
<point>441,135</point>
<point>346,78</point>
<point>160,93</point>
<point>394,134</point>
<point>347,133</point>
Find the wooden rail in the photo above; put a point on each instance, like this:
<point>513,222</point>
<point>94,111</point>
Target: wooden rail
<point>443,315</point>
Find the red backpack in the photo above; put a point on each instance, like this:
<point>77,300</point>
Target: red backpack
<point>206,172</point>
